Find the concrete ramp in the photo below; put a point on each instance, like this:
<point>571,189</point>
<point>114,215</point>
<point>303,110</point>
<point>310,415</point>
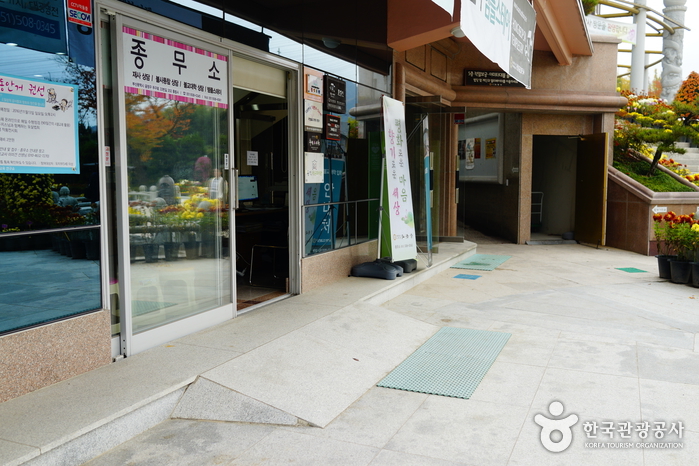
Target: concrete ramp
<point>310,375</point>
<point>207,400</point>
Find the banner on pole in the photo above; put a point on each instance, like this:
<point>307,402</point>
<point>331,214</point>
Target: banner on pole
<point>398,220</point>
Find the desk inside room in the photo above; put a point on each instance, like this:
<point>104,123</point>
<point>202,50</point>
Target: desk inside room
<point>262,243</point>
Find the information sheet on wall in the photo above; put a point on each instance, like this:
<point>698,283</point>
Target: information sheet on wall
<point>398,203</point>
<point>38,126</point>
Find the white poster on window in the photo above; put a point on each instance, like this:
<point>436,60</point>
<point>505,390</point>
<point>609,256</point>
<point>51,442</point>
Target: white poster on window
<point>160,67</point>
<point>313,116</point>
<point>503,31</point>
<point>313,167</point>
<point>252,158</point>
<point>398,205</point>
<point>38,126</point>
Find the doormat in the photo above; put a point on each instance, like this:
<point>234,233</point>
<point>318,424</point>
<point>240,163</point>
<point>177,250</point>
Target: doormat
<point>481,262</point>
<point>243,303</point>
<point>139,308</point>
<point>467,277</point>
<point>451,363</point>
<point>632,270</point>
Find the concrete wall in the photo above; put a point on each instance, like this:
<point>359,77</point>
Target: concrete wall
<point>45,355</point>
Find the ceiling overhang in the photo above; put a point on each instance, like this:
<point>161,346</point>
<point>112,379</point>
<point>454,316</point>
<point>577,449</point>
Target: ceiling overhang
<point>561,27</point>
<point>358,28</point>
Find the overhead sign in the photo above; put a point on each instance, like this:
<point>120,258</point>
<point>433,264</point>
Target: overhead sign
<point>165,68</point>
<point>398,203</point>
<point>34,25</point>
<point>38,126</point>
<point>503,31</point>
<point>489,78</point>
<point>624,31</point>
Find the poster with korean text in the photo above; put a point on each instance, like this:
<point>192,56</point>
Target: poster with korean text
<point>38,126</point>
<point>397,195</point>
<point>160,67</point>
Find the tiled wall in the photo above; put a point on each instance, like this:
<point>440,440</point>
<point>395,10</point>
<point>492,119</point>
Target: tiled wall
<point>45,355</point>
<point>323,269</point>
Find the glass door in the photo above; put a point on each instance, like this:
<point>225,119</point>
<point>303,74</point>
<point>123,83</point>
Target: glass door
<point>172,160</point>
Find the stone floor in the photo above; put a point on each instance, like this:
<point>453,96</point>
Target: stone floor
<point>617,349</point>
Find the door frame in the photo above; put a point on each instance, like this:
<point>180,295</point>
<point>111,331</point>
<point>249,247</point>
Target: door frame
<point>127,343</point>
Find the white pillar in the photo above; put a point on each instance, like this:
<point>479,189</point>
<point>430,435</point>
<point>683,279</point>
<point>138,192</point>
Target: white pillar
<point>638,51</point>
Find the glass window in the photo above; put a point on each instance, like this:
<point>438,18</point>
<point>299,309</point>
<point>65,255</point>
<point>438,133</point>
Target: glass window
<point>341,210</point>
<point>49,215</point>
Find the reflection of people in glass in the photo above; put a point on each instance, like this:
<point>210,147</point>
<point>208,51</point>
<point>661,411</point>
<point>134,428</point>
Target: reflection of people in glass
<point>218,187</point>
<point>202,167</point>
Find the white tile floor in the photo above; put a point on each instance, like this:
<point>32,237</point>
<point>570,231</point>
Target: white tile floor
<point>611,346</point>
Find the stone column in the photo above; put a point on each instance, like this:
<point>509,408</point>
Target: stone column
<point>671,76</point>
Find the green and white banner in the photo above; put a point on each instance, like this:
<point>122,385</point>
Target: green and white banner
<point>398,220</point>
<point>503,31</point>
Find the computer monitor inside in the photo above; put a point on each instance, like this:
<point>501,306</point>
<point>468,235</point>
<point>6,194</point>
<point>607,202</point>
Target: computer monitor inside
<point>247,188</point>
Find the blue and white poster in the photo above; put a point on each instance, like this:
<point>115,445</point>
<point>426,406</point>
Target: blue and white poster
<point>34,25</point>
<point>320,222</point>
<point>38,126</point>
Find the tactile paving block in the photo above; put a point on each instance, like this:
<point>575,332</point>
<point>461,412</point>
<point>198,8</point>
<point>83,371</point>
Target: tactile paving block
<point>451,363</point>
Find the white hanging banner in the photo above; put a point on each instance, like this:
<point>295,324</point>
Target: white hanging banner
<point>446,5</point>
<point>503,31</point>
<point>624,31</point>
<point>398,203</point>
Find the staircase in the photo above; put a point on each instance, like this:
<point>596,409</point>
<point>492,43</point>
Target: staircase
<point>690,159</point>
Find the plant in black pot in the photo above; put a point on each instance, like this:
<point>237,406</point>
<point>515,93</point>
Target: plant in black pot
<point>682,238</point>
<point>661,228</point>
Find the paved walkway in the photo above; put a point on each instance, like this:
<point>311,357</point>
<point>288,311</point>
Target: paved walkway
<point>614,347</point>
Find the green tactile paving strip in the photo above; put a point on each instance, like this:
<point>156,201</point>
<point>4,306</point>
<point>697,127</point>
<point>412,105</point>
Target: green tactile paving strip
<point>144,307</point>
<point>451,363</point>
<point>481,262</point>
<point>631,270</point>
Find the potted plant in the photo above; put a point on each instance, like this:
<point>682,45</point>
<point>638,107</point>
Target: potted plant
<point>681,237</point>
<point>694,240</point>
<point>661,228</point>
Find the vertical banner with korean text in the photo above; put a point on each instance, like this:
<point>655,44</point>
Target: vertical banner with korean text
<point>38,126</point>
<point>160,67</point>
<point>398,221</point>
<point>503,31</point>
